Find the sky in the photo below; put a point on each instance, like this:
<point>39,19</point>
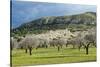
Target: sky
<point>23,12</point>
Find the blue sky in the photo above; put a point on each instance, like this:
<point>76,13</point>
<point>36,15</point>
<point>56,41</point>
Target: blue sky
<point>23,12</point>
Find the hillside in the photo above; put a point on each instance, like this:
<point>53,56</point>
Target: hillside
<point>44,24</point>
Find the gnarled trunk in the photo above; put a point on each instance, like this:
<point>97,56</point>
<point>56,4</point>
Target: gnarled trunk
<point>25,50</point>
<point>30,50</point>
<point>87,50</point>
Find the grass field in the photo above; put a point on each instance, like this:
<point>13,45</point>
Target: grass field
<point>52,56</point>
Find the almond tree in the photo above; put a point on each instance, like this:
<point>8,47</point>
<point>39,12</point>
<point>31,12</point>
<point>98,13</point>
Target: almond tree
<point>58,42</point>
<point>30,42</point>
<point>89,39</point>
<point>13,43</point>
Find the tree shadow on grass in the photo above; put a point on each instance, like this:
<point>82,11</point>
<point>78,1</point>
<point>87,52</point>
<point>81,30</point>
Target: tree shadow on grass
<point>61,56</point>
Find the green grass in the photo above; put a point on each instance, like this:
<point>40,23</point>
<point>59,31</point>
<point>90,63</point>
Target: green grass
<point>52,56</point>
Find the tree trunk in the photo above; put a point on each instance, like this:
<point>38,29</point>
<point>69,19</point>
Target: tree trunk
<point>21,47</point>
<point>87,50</point>
<point>66,45</point>
<point>79,48</point>
<point>30,50</point>
<point>58,48</point>
<point>46,46</point>
<point>25,50</point>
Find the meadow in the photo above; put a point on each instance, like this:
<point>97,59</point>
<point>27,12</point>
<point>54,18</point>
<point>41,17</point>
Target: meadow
<point>51,55</point>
